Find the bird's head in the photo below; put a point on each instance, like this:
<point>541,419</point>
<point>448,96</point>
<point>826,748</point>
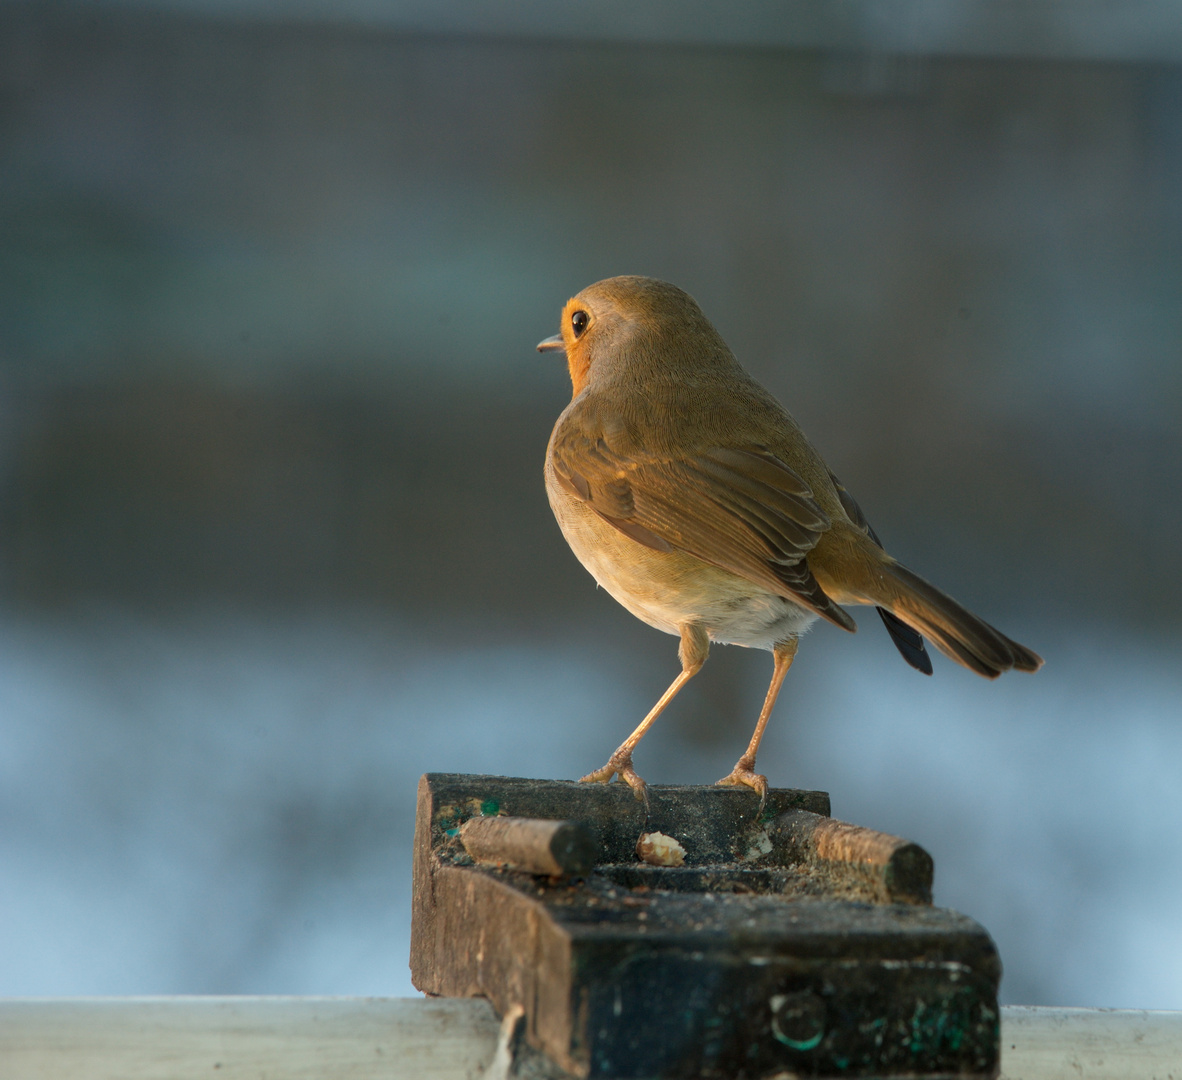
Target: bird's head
<point>636,329</point>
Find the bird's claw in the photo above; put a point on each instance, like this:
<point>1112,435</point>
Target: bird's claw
<point>743,775</point>
<point>622,767</point>
<point>604,775</point>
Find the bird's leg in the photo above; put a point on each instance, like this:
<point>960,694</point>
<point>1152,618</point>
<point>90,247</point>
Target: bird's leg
<point>744,770</point>
<point>695,646</point>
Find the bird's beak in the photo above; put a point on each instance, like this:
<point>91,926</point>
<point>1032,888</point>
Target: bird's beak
<point>549,343</point>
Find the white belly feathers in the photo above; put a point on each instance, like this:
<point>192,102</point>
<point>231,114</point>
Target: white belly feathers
<point>731,609</point>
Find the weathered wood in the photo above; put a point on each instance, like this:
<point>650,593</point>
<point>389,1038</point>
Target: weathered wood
<point>777,947</point>
<point>533,845</point>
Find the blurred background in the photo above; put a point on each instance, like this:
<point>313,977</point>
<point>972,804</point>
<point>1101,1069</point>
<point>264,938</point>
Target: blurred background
<point>273,538</point>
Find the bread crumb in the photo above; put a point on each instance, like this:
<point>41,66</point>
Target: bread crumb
<point>660,850</point>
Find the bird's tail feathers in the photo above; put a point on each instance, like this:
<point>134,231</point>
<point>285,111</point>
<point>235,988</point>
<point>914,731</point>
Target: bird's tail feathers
<point>955,631</point>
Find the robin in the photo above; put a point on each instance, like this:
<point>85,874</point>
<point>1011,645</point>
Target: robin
<point>694,499</point>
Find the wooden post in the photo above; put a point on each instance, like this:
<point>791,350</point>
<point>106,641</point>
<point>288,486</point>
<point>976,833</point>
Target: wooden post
<point>748,958</point>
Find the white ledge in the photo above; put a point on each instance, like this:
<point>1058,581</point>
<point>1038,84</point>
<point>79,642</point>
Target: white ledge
<point>249,1038</point>
<point>1090,1044</point>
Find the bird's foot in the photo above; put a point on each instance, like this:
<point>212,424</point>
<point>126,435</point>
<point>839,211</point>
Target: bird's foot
<point>619,765</point>
<point>743,775</point>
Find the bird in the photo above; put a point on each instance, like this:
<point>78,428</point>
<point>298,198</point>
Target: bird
<point>696,501</point>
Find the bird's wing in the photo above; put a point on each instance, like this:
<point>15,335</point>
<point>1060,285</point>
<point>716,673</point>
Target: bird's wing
<point>743,510</point>
<point>909,642</point>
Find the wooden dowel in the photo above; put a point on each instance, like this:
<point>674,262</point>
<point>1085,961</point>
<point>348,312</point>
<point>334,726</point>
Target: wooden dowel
<point>903,867</point>
<point>553,848</point>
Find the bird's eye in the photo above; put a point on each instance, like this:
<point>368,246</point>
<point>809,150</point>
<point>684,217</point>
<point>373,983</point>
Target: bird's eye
<point>578,322</point>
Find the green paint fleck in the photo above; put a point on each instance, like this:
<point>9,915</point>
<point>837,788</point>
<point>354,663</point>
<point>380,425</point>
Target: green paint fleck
<point>803,1044</point>
<point>936,1028</point>
<point>490,807</point>
<point>452,832</point>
